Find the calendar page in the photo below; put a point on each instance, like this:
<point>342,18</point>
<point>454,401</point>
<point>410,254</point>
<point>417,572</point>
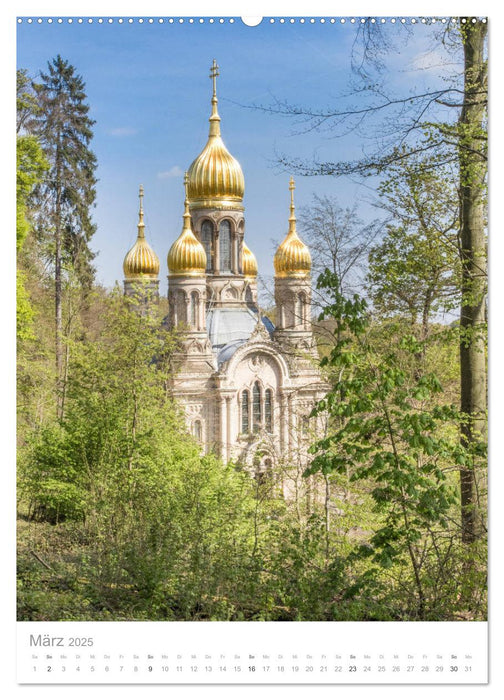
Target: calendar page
<point>251,349</point>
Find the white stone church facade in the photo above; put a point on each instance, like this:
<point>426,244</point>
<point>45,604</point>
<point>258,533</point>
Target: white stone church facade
<point>247,386</point>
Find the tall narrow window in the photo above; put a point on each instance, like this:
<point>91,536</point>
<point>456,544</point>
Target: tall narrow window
<point>181,307</point>
<point>302,309</point>
<point>197,430</point>
<point>268,410</point>
<point>298,310</point>
<point>206,241</point>
<point>256,406</point>
<point>239,256</point>
<point>225,246</point>
<point>194,309</point>
<point>245,412</point>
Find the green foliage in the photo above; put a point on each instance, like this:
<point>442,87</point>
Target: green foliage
<point>24,310</point>
<point>415,269</point>
<point>26,103</point>
<point>116,398</point>
<point>165,533</point>
<point>167,525</point>
<point>134,523</point>
<point>31,166</point>
<point>391,431</point>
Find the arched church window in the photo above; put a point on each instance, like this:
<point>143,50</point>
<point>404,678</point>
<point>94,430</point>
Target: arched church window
<point>268,410</point>
<point>239,247</point>
<point>181,307</point>
<point>256,406</point>
<point>298,310</point>
<point>206,242</point>
<point>225,246</point>
<point>197,432</point>
<point>194,309</point>
<point>245,424</point>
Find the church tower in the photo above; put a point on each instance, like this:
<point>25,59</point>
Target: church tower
<point>186,279</point>
<point>141,264</point>
<point>292,263</point>
<point>187,295</point>
<point>215,191</point>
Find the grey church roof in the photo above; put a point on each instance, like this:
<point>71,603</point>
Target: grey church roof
<point>228,329</point>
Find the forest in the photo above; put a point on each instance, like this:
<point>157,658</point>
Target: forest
<point>120,515</point>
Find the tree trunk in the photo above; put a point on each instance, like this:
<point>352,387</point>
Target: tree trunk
<point>473,256</point>
<point>57,298</point>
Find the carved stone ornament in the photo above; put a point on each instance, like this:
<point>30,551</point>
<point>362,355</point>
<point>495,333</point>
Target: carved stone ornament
<point>259,332</point>
<point>257,362</point>
<point>230,292</point>
<point>194,410</point>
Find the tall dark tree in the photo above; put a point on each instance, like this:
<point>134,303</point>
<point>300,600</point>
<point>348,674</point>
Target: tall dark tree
<point>66,196</point>
<point>472,162</point>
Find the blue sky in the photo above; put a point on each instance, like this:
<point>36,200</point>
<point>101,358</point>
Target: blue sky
<point>149,92</point>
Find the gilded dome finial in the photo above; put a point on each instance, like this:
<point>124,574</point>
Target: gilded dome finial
<point>214,118</point>
<point>186,217</point>
<point>141,225</point>
<point>214,72</point>
<point>292,217</point>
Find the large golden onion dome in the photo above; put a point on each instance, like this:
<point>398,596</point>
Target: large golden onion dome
<point>215,177</point>
<point>141,261</point>
<point>249,262</point>
<point>187,256</point>
<point>292,258</point>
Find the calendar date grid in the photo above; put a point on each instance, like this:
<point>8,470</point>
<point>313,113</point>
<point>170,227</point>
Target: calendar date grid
<point>248,664</point>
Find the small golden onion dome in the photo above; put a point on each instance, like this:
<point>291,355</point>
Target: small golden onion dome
<point>187,256</point>
<point>292,258</point>
<point>215,177</point>
<point>249,262</point>
<point>141,260</point>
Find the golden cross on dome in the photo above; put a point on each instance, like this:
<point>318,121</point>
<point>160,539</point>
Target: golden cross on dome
<point>187,217</point>
<point>141,224</point>
<point>214,72</point>
<point>292,187</point>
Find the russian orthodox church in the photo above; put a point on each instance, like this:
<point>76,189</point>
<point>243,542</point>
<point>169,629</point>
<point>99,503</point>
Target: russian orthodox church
<point>247,386</point>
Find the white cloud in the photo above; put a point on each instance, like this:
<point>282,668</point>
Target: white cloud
<point>174,171</point>
<point>123,131</point>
